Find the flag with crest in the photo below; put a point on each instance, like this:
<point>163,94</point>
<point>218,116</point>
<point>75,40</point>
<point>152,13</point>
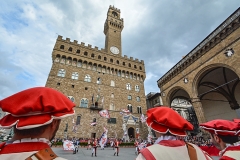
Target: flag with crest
<point>104,113</point>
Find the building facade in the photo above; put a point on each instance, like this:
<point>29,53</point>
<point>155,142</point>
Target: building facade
<point>153,100</point>
<point>207,78</point>
<point>96,79</point>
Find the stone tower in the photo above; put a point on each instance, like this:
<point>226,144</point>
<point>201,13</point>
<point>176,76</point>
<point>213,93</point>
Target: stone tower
<point>96,79</point>
<point>113,27</point>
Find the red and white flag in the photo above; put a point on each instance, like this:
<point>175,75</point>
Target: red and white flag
<point>104,113</point>
<point>93,123</point>
<point>125,110</point>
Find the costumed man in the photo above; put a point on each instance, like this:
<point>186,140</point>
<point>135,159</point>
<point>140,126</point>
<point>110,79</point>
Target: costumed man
<point>89,144</point>
<point>116,144</point>
<point>94,147</point>
<point>35,115</point>
<point>169,126</point>
<point>224,135</point>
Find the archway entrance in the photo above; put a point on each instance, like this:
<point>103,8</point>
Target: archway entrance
<point>218,91</point>
<point>181,103</point>
<point>131,133</point>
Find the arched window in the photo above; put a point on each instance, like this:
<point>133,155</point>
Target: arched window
<point>128,86</point>
<point>129,64</point>
<point>139,110</point>
<point>79,64</point>
<point>135,66</point>
<point>85,53</point>
<point>112,83</point>
<point>99,57</point>
<point>137,88</point>
<point>84,103</point>
<point>99,81</point>
<point>61,73</point>
<point>111,60</point>
<point>138,99</point>
<point>75,75</point>
<point>71,98</point>
<point>131,76</point>
<point>105,58</point>
<point>87,78</point>
<point>117,61</point>
<point>123,63</point>
<point>56,59</point>
<point>119,73</point>
<point>140,68</point>
<point>112,95</point>
<point>62,47</point>
<point>129,107</point>
<point>92,55</point>
<point>129,97</point>
<point>70,49</point>
<point>78,51</point>
<point>63,60</point>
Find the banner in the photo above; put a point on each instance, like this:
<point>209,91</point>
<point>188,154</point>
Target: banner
<point>68,145</point>
<point>104,113</point>
<point>93,123</point>
<point>103,138</point>
<point>125,110</point>
<point>143,119</point>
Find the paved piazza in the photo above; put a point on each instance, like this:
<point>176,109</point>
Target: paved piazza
<point>107,153</point>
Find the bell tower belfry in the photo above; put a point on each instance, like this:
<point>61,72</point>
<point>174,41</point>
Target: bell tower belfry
<point>113,27</point>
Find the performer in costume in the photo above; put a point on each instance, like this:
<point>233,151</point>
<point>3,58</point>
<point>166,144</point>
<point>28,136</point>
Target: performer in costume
<point>116,147</point>
<point>94,148</point>
<point>224,135</point>
<point>89,144</point>
<point>168,126</point>
<point>35,115</point>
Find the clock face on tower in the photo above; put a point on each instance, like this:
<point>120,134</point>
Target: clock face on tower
<point>114,50</point>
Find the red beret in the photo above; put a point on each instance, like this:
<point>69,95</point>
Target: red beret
<point>35,107</point>
<point>221,127</point>
<point>164,119</point>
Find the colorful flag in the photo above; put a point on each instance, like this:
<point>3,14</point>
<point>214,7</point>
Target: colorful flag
<point>104,113</point>
<point>103,138</point>
<point>68,145</point>
<point>93,123</point>
<point>143,119</point>
<point>125,110</point>
<point>73,121</point>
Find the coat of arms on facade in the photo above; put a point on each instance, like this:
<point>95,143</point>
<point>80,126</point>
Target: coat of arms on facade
<point>229,52</point>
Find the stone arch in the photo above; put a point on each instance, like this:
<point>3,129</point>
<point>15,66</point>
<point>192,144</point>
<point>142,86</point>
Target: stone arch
<point>176,91</point>
<point>217,86</point>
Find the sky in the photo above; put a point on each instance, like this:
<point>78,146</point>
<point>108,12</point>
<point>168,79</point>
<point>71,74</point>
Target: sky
<point>158,32</point>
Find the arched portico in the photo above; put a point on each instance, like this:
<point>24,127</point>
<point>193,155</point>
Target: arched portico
<point>208,76</point>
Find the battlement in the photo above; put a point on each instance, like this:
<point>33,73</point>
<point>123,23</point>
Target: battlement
<point>89,46</point>
<point>114,8</point>
<point>75,42</point>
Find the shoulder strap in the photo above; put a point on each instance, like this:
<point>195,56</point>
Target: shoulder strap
<point>44,154</point>
<point>191,152</point>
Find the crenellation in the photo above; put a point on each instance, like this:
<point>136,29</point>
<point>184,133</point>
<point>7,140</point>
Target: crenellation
<point>75,42</point>
<point>96,48</point>
<point>59,37</point>
<point>114,8</point>
<point>131,58</point>
<point>67,39</point>
<point>142,61</point>
<point>125,56</point>
<point>82,44</point>
<point>136,60</point>
<point>90,46</point>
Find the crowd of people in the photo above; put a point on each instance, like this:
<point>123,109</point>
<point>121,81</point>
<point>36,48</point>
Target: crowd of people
<point>35,115</point>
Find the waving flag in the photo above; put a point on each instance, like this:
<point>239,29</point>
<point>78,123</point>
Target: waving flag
<point>125,111</point>
<point>104,113</point>
<point>93,123</point>
<point>143,119</point>
<point>103,139</point>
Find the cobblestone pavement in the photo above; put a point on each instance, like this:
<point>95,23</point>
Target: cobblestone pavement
<point>106,154</point>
